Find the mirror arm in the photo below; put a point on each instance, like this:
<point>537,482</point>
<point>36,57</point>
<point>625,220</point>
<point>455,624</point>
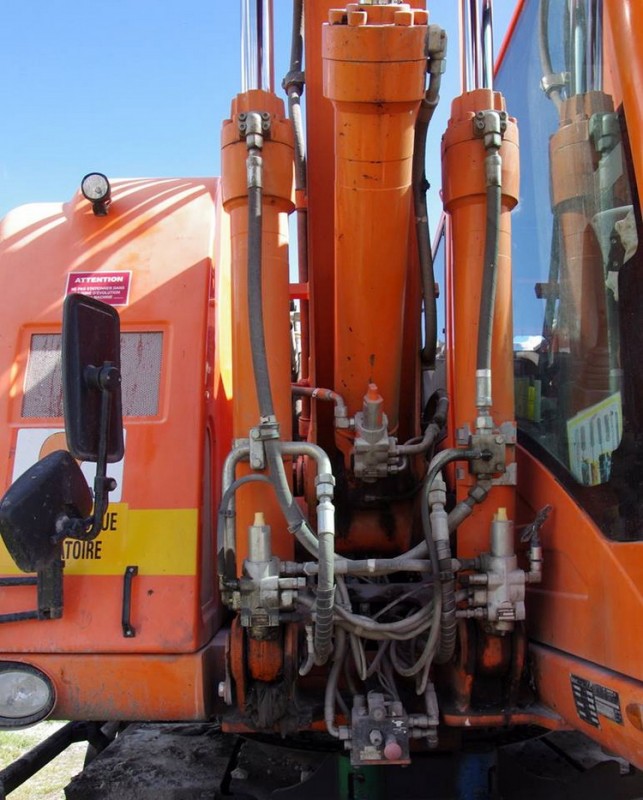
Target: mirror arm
<point>107,379</point>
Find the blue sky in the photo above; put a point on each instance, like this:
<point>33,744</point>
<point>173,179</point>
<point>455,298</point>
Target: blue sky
<point>137,88</point>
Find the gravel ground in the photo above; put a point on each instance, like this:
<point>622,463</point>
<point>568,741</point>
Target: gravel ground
<point>49,783</point>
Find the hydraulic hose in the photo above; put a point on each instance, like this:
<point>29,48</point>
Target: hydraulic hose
<point>331,684</point>
<point>545,59</point>
<point>488,293</point>
<point>276,470</point>
<point>228,555</point>
<point>433,429</point>
<point>255,292</point>
<point>444,605</point>
<point>420,188</point>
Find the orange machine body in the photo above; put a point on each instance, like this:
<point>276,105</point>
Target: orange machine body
<point>172,257</point>
<point>152,258</point>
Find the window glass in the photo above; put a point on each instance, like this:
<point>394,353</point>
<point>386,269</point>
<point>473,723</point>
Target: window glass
<point>576,260</point>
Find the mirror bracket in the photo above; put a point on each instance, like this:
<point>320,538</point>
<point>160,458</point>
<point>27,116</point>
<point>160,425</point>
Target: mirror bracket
<point>49,586</point>
<point>106,379</point>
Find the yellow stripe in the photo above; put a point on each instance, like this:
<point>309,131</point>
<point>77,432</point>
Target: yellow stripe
<point>158,541</point>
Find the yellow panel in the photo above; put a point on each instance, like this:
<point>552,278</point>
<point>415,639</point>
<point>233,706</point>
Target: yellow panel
<point>159,541</point>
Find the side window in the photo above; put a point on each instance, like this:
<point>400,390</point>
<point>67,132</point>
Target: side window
<point>577,268</point>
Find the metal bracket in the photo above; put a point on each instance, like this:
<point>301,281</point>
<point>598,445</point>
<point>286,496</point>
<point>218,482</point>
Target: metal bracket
<point>129,632</point>
<point>254,127</point>
<point>49,585</point>
<point>268,428</point>
<point>490,125</point>
<point>509,477</point>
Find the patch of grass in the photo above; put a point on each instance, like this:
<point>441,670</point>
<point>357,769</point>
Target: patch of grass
<point>49,783</point>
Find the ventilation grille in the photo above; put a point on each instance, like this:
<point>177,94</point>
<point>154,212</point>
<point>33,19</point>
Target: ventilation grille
<point>141,355</point>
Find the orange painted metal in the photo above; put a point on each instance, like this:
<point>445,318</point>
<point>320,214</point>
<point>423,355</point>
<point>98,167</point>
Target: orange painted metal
<point>590,594</point>
<point>118,686</point>
<point>265,658</point>
<point>580,619</point>
<point>537,716</point>
<point>320,191</point>
<point>374,68</point>
<point>614,730</point>
<point>278,202</point>
<point>464,196</point>
<point>165,615</point>
<point>159,232</point>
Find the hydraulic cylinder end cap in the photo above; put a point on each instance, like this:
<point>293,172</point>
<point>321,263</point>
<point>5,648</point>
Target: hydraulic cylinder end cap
<point>379,34</point>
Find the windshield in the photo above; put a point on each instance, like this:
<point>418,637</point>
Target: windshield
<point>578,308</point>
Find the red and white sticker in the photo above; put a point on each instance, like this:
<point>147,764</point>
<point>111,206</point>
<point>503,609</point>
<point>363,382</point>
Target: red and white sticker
<point>110,287</point>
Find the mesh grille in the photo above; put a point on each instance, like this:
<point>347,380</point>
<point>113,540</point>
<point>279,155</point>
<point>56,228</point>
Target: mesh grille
<point>141,355</point>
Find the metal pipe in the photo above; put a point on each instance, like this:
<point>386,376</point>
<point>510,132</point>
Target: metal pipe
<point>596,45</point>
<point>328,395</point>
<point>578,44</point>
<point>257,70</point>
<point>487,44</point>
<point>476,48</point>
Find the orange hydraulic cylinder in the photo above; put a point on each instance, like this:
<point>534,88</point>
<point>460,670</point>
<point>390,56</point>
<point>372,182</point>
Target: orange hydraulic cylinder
<point>464,195</point>
<point>278,197</point>
<point>374,74</point>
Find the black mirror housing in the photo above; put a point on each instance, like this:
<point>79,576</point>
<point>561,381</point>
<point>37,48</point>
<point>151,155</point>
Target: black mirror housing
<point>37,504</point>
<point>91,359</point>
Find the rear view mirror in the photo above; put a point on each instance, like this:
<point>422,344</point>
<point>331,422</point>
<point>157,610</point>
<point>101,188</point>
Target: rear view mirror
<point>91,361</point>
<point>38,507</point>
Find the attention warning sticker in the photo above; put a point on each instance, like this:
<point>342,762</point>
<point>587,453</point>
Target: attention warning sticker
<point>110,287</point>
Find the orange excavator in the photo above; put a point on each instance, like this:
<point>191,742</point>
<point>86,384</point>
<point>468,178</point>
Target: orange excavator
<point>358,495</point>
